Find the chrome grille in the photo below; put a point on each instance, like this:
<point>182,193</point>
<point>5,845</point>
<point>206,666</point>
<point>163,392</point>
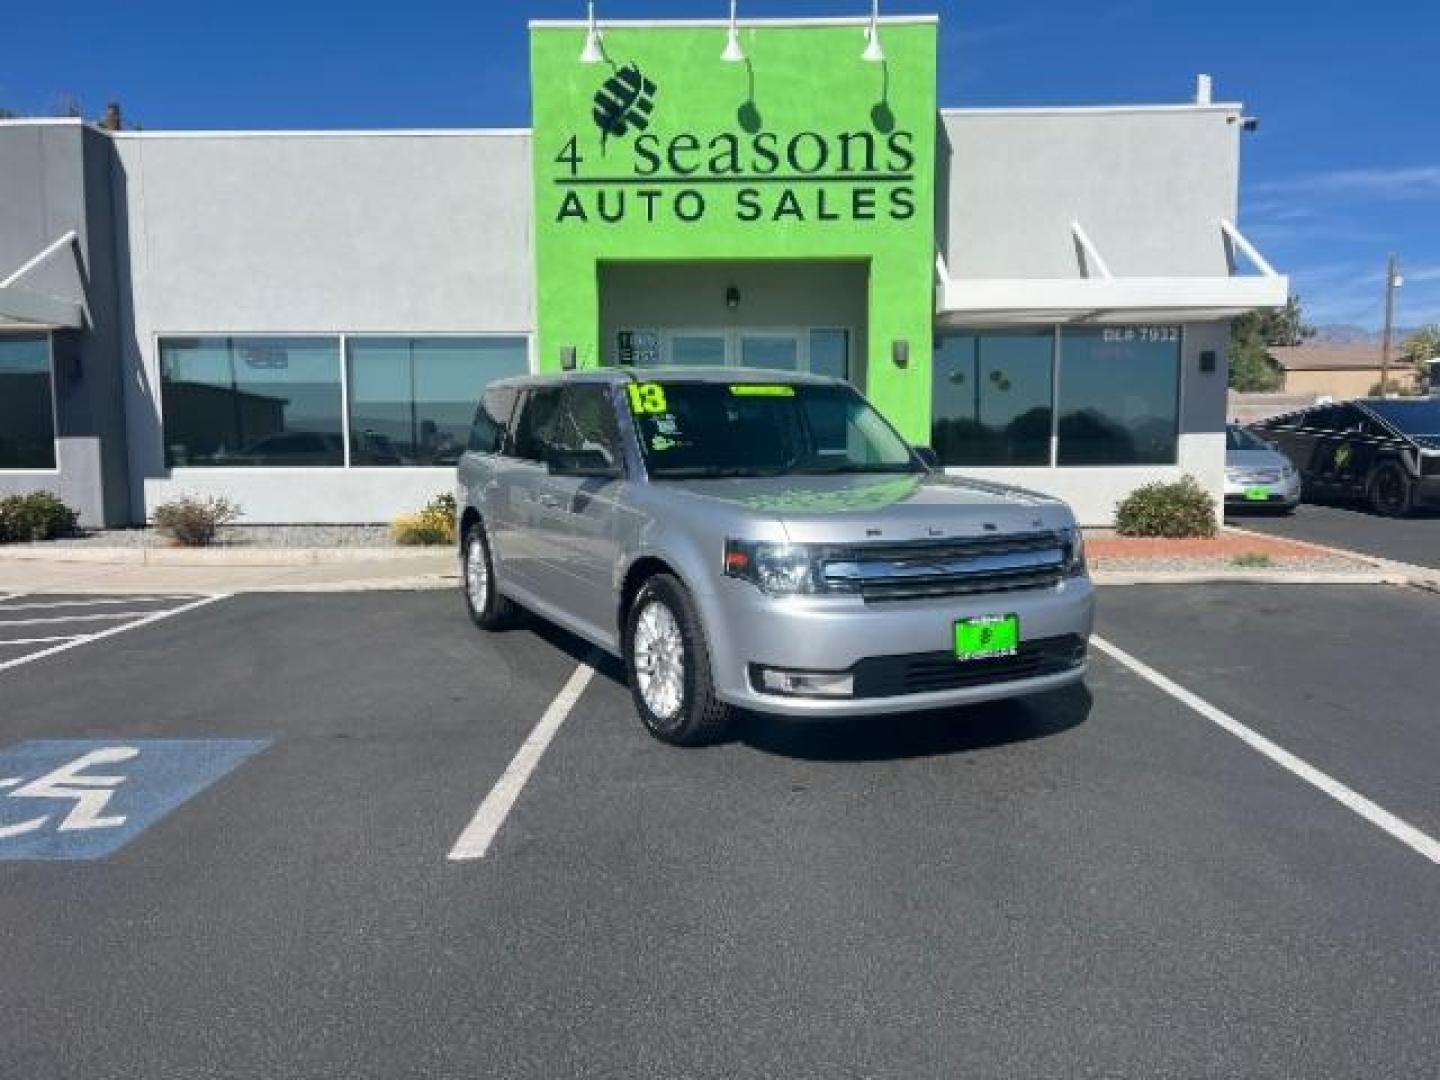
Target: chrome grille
<point>925,569</point>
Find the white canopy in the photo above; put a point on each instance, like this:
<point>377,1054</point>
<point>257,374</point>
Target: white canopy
<point>1097,295</point>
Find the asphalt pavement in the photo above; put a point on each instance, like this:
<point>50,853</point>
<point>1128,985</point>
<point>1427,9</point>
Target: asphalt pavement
<point>1414,540</point>
<point>1098,882</point>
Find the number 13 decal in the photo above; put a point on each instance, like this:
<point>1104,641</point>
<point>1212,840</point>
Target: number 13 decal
<point>647,398</point>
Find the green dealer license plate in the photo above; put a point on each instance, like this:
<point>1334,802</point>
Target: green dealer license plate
<point>1257,494</point>
<point>987,637</point>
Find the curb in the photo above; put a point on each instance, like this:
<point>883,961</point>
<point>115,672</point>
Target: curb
<point>279,557</point>
<point>1253,577</point>
<point>1403,573</point>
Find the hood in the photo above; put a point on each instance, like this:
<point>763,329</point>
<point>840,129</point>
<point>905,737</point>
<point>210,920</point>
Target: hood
<point>858,507</point>
<point>1255,459</point>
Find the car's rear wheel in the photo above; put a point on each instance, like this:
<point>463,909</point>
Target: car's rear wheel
<point>488,609</point>
<point>668,665</point>
<point>1391,492</point>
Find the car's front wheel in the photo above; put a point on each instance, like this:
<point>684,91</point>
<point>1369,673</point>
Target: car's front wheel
<point>488,609</point>
<point>668,666</point>
<point>1391,493</point>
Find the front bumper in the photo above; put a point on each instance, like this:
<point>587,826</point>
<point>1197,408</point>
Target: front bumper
<point>744,627</point>
<point>1285,492</point>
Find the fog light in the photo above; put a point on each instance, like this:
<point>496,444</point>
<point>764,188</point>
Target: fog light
<point>807,683</point>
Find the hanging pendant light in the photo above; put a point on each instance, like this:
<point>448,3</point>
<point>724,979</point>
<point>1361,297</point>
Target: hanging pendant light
<point>733,53</point>
<point>873,53</point>
<point>594,51</point>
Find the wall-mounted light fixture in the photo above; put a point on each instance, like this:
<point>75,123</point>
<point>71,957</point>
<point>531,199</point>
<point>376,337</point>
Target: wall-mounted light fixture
<point>567,357</point>
<point>733,53</point>
<point>873,53</point>
<point>900,352</point>
<point>594,51</point>
<point>732,297</point>
<point>1207,361</point>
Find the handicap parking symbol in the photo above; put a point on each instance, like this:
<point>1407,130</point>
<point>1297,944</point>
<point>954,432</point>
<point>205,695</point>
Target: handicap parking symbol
<point>78,799</point>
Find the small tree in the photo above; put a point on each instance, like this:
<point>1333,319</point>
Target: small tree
<point>1420,348</point>
<point>1252,370</point>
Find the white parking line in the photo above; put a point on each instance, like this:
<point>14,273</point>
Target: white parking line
<point>76,618</point>
<point>1377,815</point>
<point>148,617</point>
<point>38,640</point>
<point>5,604</point>
<point>475,841</point>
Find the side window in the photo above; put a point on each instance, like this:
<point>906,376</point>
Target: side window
<point>1347,418</point>
<point>586,425</point>
<point>1322,419</point>
<point>492,418</point>
<point>535,423</point>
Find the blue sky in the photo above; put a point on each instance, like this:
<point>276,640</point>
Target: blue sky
<point>1344,169</point>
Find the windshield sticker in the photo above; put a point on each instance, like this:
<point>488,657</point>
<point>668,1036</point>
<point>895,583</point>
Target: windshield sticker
<point>647,399</point>
<point>665,425</point>
<point>763,390</point>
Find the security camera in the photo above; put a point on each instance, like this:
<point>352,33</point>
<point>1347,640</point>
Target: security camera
<point>1249,123</point>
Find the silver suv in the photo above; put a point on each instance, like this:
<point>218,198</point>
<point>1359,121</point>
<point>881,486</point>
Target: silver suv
<point>762,540</point>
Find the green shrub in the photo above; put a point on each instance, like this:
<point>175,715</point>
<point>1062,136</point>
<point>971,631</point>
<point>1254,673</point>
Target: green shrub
<point>433,525</point>
<point>1253,560</point>
<point>1178,509</point>
<point>37,516</point>
<point>193,522</point>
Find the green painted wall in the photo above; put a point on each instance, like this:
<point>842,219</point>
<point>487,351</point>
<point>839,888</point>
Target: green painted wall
<point>804,152</point>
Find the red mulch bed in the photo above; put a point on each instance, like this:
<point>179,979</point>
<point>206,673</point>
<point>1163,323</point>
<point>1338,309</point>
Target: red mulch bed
<point>1225,545</point>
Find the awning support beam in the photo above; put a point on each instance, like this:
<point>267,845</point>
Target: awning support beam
<point>24,306</point>
<point>1090,257</point>
<point>1236,239</point>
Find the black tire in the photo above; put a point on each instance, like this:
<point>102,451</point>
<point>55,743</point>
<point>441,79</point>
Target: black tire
<point>493,611</point>
<point>699,717</point>
<point>1390,490</point>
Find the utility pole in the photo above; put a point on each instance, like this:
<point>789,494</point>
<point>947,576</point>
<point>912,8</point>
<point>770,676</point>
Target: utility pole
<point>1393,281</point>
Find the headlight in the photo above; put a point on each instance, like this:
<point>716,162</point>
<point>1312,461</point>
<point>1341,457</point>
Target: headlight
<point>1234,474</point>
<point>777,569</point>
<point>1074,551</point>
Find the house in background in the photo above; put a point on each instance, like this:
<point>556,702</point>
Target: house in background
<point>1338,371</point>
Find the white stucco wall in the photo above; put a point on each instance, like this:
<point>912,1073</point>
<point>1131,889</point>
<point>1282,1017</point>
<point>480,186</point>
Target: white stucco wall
<point>408,233</point>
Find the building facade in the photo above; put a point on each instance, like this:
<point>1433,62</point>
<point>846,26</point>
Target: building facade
<point>304,321</point>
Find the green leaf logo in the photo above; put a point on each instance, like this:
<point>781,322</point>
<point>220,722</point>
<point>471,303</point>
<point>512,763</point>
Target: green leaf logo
<point>624,102</point>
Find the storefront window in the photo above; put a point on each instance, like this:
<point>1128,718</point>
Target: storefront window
<point>991,398</point>
<point>412,400</point>
<point>27,411</point>
<point>830,353</point>
<point>1119,395</point>
<point>254,401</point>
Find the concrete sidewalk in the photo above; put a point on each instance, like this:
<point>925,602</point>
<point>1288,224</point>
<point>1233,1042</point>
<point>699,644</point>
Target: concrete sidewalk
<point>287,571</point>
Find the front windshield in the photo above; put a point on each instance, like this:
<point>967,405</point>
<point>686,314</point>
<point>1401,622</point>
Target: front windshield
<point>1237,438</point>
<point>1418,416</point>
<point>699,429</point>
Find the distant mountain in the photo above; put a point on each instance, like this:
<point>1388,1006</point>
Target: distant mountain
<point>1350,334</point>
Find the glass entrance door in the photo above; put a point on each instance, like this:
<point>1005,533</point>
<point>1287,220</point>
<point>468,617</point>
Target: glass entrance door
<point>823,350</point>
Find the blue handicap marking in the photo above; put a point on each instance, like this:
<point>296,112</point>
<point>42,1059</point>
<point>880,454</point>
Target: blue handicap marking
<point>76,799</point>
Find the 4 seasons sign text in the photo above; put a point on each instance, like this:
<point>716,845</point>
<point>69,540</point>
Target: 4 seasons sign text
<point>749,177</point>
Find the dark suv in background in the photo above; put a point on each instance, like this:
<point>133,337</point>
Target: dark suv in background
<point>1384,451</point>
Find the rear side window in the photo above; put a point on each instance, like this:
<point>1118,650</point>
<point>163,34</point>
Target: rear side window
<point>535,424</point>
<point>492,420</point>
<point>586,425</point>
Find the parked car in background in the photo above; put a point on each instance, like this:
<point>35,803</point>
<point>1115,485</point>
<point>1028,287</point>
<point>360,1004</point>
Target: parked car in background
<point>763,540</point>
<point>1257,475</point>
<point>1384,451</point>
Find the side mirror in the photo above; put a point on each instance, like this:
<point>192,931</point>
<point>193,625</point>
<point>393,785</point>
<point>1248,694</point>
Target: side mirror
<point>928,456</point>
<point>582,463</point>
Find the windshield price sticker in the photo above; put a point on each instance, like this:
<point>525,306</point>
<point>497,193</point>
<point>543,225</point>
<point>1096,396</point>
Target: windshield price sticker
<point>763,390</point>
<point>647,399</point>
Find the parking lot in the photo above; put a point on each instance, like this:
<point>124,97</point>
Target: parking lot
<point>1414,540</point>
<point>1217,860</point>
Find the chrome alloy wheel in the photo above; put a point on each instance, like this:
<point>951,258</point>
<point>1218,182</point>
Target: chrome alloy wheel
<point>477,574</point>
<point>659,658</point>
